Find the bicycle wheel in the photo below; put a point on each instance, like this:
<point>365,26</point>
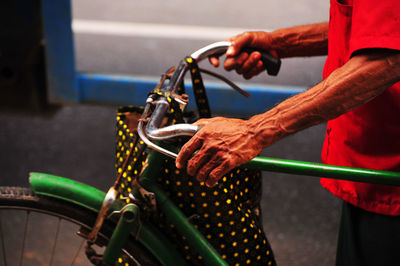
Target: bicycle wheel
<point>36,230</point>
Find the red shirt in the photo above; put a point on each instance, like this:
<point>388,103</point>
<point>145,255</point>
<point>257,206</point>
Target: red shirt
<point>369,136</point>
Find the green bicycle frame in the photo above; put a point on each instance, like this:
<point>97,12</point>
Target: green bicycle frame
<point>91,198</point>
<point>324,170</point>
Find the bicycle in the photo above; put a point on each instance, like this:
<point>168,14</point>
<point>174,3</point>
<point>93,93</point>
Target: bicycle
<point>116,220</point>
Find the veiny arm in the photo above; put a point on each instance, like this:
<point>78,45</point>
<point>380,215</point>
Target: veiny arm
<point>224,143</point>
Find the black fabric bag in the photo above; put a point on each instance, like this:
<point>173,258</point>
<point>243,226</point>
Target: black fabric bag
<point>228,215</point>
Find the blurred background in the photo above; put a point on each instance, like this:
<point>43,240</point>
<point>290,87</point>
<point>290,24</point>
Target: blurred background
<point>146,38</point>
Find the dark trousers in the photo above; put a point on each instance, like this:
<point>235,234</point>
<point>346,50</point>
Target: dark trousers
<point>367,238</point>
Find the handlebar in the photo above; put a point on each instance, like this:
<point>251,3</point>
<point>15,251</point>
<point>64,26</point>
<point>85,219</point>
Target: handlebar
<point>271,63</point>
<point>153,130</point>
<point>216,48</point>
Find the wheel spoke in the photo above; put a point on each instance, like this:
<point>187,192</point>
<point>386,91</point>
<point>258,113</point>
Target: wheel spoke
<point>24,239</point>
<point>29,216</point>
<point>78,251</point>
<point>3,247</point>
<point>53,250</point>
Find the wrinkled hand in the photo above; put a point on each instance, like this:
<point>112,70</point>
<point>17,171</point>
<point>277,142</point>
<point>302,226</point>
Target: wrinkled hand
<point>245,64</point>
<point>222,144</point>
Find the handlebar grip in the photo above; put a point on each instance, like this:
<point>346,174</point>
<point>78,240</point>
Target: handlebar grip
<point>271,63</point>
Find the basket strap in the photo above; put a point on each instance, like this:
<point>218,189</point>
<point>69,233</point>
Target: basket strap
<point>198,89</point>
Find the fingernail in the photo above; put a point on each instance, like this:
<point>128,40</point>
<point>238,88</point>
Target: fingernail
<point>230,51</point>
<point>178,165</point>
<point>211,183</point>
<point>257,56</point>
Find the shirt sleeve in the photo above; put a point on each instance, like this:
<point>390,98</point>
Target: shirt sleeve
<point>375,24</point>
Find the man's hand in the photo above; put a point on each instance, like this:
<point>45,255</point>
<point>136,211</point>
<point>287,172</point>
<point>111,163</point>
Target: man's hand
<point>248,65</point>
<point>307,40</point>
<point>222,144</point>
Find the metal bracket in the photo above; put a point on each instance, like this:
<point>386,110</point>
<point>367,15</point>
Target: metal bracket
<point>149,198</point>
<point>139,224</point>
<point>107,203</point>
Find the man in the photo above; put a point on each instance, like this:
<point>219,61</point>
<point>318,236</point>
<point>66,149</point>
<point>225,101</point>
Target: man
<point>359,96</point>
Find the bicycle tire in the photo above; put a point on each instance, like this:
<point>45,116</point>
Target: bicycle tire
<point>16,199</point>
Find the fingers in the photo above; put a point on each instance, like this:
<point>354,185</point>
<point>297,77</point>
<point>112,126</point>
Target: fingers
<point>187,150</point>
<point>235,62</point>
<point>238,42</point>
<point>255,70</point>
<point>193,144</point>
<point>218,173</point>
<point>201,165</point>
<point>244,64</point>
<point>210,168</point>
<point>214,61</point>
<point>249,64</point>
<point>196,162</point>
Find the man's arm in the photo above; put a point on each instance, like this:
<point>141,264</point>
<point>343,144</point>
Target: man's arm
<point>361,79</point>
<point>308,40</point>
<point>224,143</point>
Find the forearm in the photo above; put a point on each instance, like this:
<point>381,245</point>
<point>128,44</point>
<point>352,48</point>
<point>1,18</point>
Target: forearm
<point>357,82</point>
<point>307,40</point>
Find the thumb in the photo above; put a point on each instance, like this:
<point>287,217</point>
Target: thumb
<point>238,42</point>
<point>201,122</point>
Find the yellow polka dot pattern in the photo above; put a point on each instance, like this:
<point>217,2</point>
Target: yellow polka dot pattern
<point>135,149</point>
<point>227,215</point>
<point>124,260</point>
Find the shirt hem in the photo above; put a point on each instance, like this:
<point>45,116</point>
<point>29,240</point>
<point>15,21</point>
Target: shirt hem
<point>375,206</point>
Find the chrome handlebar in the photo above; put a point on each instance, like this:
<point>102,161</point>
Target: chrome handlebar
<point>152,132</point>
<point>172,131</point>
<point>165,133</point>
<point>214,48</point>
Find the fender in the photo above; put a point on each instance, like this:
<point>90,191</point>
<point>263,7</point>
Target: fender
<point>68,190</point>
<point>91,198</point>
